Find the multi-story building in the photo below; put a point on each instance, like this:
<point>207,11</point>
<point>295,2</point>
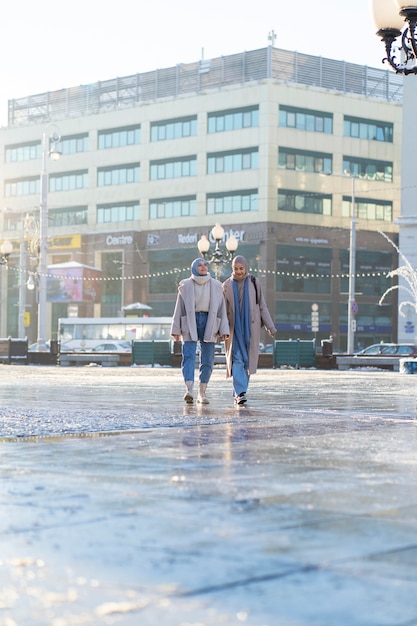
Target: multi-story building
<point>151,162</point>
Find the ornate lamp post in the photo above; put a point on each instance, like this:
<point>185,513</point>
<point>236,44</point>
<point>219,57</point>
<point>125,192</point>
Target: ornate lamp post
<point>6,249</point>
<point>218,257</point>
<point>49,148</point>
<point>396,19</point>
<point>352,306</point>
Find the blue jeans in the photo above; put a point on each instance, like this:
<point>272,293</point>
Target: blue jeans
<point>239,372</point>
<point>189,350</point>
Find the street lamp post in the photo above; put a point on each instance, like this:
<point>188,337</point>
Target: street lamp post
<point>352,271</point>
<point>22,289</point>
<point>6,248</point>
<point>352,307</point>
<point>218,257</point>
<point>49,148</point>
<point>120,263</point>
<point>397,20</point>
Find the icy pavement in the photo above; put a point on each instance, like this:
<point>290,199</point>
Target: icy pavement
<point>120,505</point>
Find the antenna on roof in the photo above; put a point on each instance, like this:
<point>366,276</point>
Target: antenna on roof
<point>272,37</point>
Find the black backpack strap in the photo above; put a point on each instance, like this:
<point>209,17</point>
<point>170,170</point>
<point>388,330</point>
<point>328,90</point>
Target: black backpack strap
<point>253,279</point>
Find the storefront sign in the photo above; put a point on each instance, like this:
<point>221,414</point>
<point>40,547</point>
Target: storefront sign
<point>192,238</point>
<point>65,241</point>
<point>73,282</point>
<point>188,238</point>
<point>119,240</point>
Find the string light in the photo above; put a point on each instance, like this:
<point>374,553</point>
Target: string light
<point>186,271</point>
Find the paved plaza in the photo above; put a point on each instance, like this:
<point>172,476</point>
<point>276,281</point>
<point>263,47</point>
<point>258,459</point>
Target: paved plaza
<point>120,505</point>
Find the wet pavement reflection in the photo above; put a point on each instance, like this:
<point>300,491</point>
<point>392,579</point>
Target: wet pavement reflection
<point>120,505</point>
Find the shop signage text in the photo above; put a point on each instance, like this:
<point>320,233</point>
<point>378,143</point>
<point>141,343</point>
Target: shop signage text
<point>119,240</point>
<point>194,237</point>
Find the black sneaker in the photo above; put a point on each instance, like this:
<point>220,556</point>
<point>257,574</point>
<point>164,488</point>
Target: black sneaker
<point>241,399</point>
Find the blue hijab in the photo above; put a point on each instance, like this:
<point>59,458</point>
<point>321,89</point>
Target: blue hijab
<point>194,266</point>
<point>242,328</point>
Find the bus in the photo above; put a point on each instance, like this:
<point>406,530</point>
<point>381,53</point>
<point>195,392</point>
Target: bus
<point>83,334</point>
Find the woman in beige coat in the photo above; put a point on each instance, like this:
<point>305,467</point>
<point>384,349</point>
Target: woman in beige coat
<point>247,313</point>
<point>199,316</point>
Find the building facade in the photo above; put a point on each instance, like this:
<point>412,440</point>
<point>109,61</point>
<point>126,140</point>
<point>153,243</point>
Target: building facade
<point>271,144</point>
<point>407,220</point>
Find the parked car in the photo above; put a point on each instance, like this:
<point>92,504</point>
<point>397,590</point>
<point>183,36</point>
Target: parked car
<point>389,349</point>
<point>34,347</point>
<point>113,346</point>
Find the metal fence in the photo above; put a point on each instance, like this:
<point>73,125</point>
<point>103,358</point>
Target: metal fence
<point>187,78</point>
<point>295,353</point>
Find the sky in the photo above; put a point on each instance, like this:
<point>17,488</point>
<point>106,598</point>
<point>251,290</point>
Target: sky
<point>46,45</point>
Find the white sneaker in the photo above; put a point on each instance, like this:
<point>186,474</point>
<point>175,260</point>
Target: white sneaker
<point>202,398</point>
<point>241,399</point>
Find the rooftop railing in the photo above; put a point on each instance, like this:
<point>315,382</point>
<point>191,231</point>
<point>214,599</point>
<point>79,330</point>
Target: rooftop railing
<point>187,78</point>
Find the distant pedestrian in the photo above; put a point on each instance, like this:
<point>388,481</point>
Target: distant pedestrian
<point>247,312</point>
<point>199,317</point>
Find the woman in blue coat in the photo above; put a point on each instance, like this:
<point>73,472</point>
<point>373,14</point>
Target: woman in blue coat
<point>247,312</point>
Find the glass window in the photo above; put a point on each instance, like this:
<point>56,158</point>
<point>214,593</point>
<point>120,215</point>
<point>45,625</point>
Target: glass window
<point>174,129</point>
<point>304,202</point>
<point>161,281</point>
<point>119,175</point>
<point>303,269</point>
<point>233,119</point>
<point>232,161</point>
<point>305,119</point>
<point>290,119</point>
<point>303,161</point>
<point>122,212</point>
<point>119,137</point>
<point>232,202</point>
<point>68,181</point>
<point>173,168</point>
<point>368,209</point>
<point>372,268</point>
<point>304,122</point>
<point>71,216</point>
<point>21,187</point>
<point>172,207</point>
<point>74,144</point>
<point>370,170</point>
<point>23,152</point>
<point>289,317</point>
<point>368,129</point>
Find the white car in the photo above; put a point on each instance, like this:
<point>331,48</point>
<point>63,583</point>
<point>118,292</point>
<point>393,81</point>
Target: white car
<point>113,346</point>
<point>34,347</point>
<point>389,349</point>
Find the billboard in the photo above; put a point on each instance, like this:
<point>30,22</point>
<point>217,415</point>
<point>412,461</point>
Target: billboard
<point>73,282</point>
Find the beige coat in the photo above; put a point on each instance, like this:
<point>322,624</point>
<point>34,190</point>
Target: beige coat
<point>259,316</point>
<point>183,321</point>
